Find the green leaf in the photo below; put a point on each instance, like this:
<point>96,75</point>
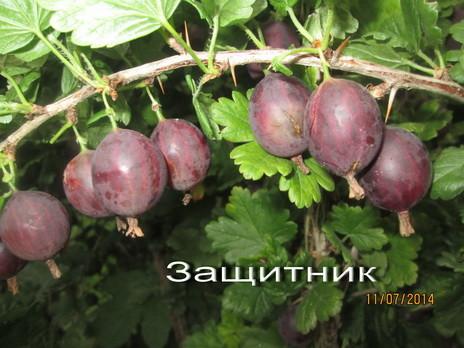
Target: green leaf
<point>376,259</point>
<point>360,225</point>
<point>249,302</point>
<point>401,270</point>
<point>449,311</point>
<point>156,323</point>
<point>410,24</point>
<point>34,50</point>
<point>19,23</point>
<point>208,338</point>
<point>377,53</point>
<point>457,31</point>
<point>228,11</point>
<point>108,22</point>
<point>122,110</point>
<point>232,114</point>
<point>254,162</point>
<point>428,120</point>
<point>129,290</point>
<point>304,189</point>
<point>256,337</point>
<point>323,301</point>
<point>343,22</point>
<point>448,179</point>
<point>281,6</point>
<point>192,246</point>
<point>252,222</point>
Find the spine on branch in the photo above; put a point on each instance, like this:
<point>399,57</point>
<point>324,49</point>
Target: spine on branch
<point>398,78</point>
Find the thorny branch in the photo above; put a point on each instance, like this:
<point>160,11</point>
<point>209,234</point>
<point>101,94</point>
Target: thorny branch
<point>392,78</point>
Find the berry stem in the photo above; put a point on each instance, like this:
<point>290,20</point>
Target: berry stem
<point>80,139</point>
<point>356,191</point>
<point>441,61</point>
<point>12,284</point>
<point>155,106</point>
<point>212,44</point>
<point>406,228</point>
<point>299,26</point>
<point>299,162</point>
<point>109,111</point>
<point>324,64</point>
<point>60,132</point>
<point>54,269</point>
<point>258,43</point>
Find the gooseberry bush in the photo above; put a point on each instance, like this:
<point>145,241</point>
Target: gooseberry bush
<point>223,134</point>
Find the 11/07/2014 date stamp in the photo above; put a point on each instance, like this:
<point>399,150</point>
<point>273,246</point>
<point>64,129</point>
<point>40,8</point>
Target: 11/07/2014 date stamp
<point>405,299</point>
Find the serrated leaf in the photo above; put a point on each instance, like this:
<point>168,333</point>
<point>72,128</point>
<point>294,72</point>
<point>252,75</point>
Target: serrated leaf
<point>256,337</point>
<point>129,290</point>
<point>343,22</point>
<point>232,114</point>
<point>360,225</point>
<point>449,311</point>
<point>252,221</point>
<point>410,24</point>
<point>156,323</point>
<point>108,22</point>
<point>228,11</point>
<point>376,53</point>
<point>457,31</point>
<point>303,189</point>
<point>376,259</point>
<point>249,302</point>
<point>254,162</point>
<point>192,246</point>
<point>281,6</point>
<point>428,120</point>
<point>19,23</point>
<point>322,301</point>
<point>448,179</point>
<point>401,269</point>
<point>208,338</point>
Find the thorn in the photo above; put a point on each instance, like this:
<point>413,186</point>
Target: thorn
<point>391,99</point>
<point>338,52</point>
<point>232,72</point>
<point>175,46</point>
<point>160,83</point>
<point>187,37</point>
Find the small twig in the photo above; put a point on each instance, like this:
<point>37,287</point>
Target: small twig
<point>400,79</point>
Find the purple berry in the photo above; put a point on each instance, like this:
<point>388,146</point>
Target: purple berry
<point>129,173</point>
<point>10,265</point>
<point>78,186</point>
<point>400,176</point>
<point>185,150</point>
<point>34,226</point>
<point>344,129</point>
<point>276,114</point>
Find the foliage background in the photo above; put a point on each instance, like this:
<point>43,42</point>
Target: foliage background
<point>257,209</point>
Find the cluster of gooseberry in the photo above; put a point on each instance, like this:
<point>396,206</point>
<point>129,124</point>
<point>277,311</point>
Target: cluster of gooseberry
<point>340,125</point>
<point>124,177</point>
